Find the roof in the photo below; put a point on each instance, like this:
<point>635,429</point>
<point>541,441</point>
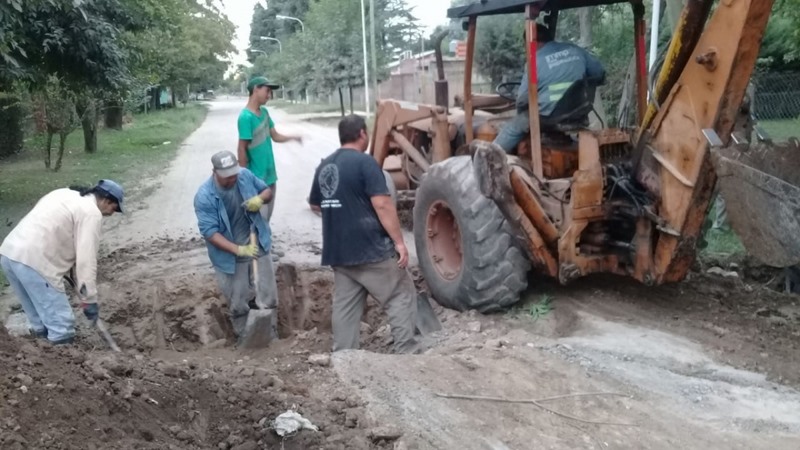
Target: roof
<point>492,7</point>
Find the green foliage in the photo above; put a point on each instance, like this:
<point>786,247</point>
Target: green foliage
<point>535,310</point>
<point>137,149</point>
<point>500,47</point>
<point>329,54</point>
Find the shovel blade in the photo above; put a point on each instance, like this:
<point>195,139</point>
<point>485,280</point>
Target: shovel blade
<point>761,188</point>
<point>427,322</point>
<point>260,328</point>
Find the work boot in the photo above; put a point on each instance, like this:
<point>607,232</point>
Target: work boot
<point>64,341</point>
<point>38,334</point>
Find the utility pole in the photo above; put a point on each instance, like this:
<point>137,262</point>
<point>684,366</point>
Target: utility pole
<point>364,44</point>
<point>374,54</point>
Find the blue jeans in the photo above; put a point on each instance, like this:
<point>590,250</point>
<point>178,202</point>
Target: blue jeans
<point>47,309</point>
<point>513,131</point>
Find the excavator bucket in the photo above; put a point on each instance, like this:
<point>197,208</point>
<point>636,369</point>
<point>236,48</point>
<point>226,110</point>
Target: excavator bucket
<point>761,188</point>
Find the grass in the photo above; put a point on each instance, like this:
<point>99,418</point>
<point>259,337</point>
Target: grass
<point>780,130</point>
<point>302,108</point>
<point>142,147</point>
<point>534,310</point>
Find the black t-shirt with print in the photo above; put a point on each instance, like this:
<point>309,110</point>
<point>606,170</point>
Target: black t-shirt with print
<point>343,184</point>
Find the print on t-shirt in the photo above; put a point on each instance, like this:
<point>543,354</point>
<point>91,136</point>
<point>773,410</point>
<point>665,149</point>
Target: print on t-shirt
<point>328,183</point>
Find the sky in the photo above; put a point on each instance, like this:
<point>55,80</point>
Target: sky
<point>429,13</point>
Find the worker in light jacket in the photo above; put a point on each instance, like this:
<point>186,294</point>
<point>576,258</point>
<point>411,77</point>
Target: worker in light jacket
<point>61,232</point>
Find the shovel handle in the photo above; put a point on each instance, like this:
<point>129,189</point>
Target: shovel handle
<point>255,260</point>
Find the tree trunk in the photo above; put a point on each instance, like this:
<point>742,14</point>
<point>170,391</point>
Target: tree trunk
<point>113,115</point>
<point>352,108</point>
<point>87,111</point>
<point>62,141</point>
<point>174,105</point>
<point>585,20</point>
<point>341,100</point>
<point>11,116</point>
<point>626,110</point>
<point>48,144</point>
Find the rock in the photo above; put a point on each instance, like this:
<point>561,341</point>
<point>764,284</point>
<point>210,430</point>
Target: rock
<point>275,382</point>
<point>247,372</point>
<point>496,343</point>
<point>400,445</point>
<point>353,418</point>
<point>365,328</point>
<point>98,373</point>
<point>184,436</point>
<point>219,343</point>
<point>24,379</point>
<point>222,446</point>
<point>321,359</point>
<point>174,371</point>
<point>247,445</point>
<point>474,326</point>
<point>384,434</point>
<point>722,272</point>
<point>24,389</point>
<point>335,439</point>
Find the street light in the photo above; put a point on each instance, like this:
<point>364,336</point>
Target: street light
<point>265,38</point>
<point>280,50</point>
<point>282,17</point>
<point>303,28</point>
<point>364,45</point>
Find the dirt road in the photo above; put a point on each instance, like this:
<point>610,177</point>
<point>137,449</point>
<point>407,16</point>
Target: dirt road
<point>710,363</point>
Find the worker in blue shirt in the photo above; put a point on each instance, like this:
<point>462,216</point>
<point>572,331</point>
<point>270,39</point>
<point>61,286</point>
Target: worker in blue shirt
<point>559,65</point>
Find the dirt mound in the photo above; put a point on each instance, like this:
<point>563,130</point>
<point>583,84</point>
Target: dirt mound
<point>66,398</point>
<point>179,382</point>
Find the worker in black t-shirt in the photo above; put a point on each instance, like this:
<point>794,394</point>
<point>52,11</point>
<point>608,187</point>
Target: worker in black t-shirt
<point>362,241</point>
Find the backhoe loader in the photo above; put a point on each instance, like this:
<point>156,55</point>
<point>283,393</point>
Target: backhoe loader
<point>571,201</point>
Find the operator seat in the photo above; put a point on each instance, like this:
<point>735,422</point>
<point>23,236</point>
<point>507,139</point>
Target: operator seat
<point>571,112</point>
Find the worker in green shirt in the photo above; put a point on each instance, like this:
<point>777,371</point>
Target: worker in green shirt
<point>256,133</point>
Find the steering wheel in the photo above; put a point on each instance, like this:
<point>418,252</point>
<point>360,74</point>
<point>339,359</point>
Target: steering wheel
<point>508,90</point>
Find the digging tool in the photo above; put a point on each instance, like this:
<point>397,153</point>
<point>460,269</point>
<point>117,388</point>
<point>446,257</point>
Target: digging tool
<point>427,322</point>
<point>103,332</point>
<point>99,325</point>
<point>261,326</point>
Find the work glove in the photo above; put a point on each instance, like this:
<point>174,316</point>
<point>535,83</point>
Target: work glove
<point>249,250</point>
<point>91,311</point>
<point>254,203</point>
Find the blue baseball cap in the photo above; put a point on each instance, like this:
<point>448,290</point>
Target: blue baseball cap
<point>113,189</point>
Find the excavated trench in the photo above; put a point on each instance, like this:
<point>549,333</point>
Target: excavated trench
<point>173,305</point>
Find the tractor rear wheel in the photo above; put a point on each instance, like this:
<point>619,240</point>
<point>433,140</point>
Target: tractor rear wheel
<point>468,258</point>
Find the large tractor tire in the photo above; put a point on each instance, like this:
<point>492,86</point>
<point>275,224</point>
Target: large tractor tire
<point>467,256</point>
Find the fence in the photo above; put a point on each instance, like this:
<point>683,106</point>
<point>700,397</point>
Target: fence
<point>777,95</point>
<point>416,87</point>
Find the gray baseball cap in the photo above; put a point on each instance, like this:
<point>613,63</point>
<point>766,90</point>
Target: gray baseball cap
<point>115,190</point>
<point>225,164</point>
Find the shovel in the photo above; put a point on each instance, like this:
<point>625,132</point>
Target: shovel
<point>102,330</point>
<point>427,322</point>
<point>261,325</point>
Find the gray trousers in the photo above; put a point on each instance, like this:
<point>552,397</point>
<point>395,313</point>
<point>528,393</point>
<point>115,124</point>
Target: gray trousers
<point>238,289</point>
<point>267,208</point>
<point>394,290</point>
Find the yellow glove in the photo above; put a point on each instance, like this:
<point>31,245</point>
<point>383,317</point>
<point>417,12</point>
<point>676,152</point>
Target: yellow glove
<point>253,204</point>
<point>249,250</point>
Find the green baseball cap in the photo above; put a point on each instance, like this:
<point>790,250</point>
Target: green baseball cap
<point>260,81</point>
